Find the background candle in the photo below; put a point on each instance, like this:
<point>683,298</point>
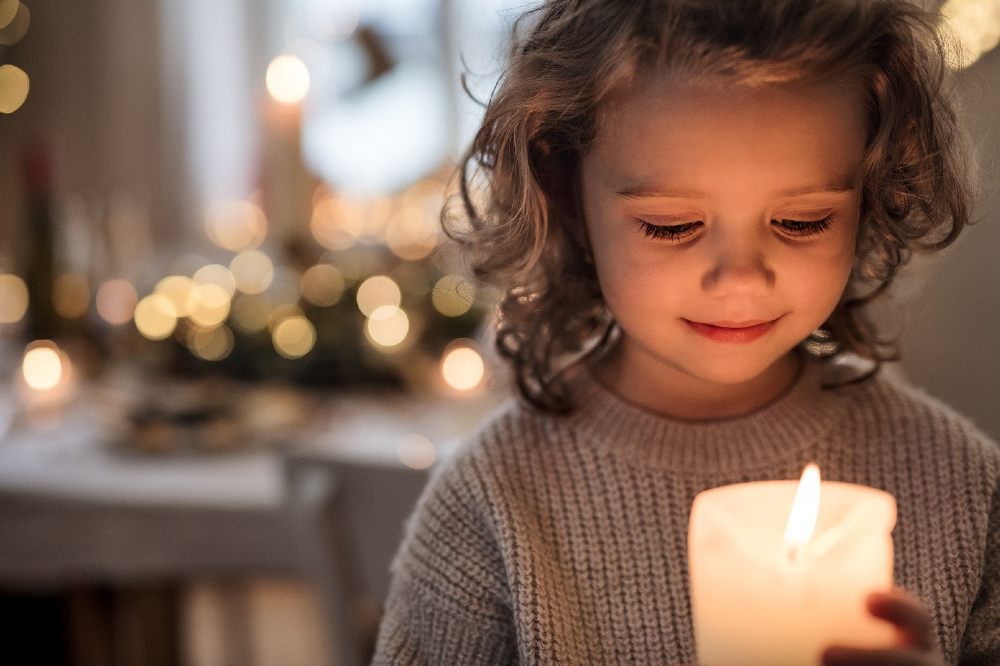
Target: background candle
<point>754,604</point>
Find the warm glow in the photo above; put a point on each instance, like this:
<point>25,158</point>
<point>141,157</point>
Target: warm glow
<point>42,366</point>
<point>71,296</point>
<point>462,367</point>
<point>337,222</point>
<point>976,25</point>
<point>218,275</point>
<point>294,337</point>
<point>236,225</point>
<point>209,305</point>
<point>116,301</point>
<point>251,313</point>
<point>211,344</point>
<point>387,326</point>
<point>282,312</point>
<point>13,298</point>
<point>287,79</point>
<point>8,10</point>
<point>12,33</point>
<point>805,509</point>
<point>452,295</point>
<point>416,451</point>
<point>253,271</point>
<point>177,289</point>
<point>156,317</point>
<point>14,86</point>
<point>323,285</point>
<point>411,233</point>
<point>376,292</point>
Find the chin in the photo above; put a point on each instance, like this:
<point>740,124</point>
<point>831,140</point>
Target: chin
<point>731,371</point>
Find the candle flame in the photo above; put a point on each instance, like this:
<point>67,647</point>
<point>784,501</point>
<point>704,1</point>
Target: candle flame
<point>805,508</point>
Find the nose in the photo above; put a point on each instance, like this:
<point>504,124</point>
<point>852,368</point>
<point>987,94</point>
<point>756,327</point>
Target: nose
<point>738,270</point>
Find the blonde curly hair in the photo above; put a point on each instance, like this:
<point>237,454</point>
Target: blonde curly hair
<point>519,198</point>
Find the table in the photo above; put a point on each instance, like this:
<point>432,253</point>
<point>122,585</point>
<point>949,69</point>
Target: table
<point>75,511</point>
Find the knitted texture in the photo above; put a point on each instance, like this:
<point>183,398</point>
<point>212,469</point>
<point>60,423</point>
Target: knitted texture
<point>563,539</point>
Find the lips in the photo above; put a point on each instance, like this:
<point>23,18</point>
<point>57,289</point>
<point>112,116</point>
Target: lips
<point>733,332</point>
<point>738,324</point>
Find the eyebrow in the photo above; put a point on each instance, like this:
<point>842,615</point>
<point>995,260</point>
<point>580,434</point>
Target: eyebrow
<point>643,191</point>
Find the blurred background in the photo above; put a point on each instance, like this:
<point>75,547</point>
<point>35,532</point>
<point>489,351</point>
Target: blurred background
<point>233,341</point>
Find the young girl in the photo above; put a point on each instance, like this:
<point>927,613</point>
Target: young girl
<point>688,203</point>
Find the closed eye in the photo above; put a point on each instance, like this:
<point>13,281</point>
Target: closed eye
<point>792,228</point>
<point>668,232</point>
<point>801,228</point>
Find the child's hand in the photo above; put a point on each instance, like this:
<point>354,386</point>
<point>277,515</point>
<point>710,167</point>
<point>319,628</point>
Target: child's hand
<point>916,636</point>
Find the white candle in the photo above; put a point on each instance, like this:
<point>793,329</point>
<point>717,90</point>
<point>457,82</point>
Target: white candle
<point>780,570</point>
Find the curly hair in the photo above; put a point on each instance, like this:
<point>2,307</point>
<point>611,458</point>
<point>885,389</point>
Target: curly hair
<point>520,213</point>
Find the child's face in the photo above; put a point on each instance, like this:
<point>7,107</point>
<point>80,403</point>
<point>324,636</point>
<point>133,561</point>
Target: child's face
<point>746,178</point>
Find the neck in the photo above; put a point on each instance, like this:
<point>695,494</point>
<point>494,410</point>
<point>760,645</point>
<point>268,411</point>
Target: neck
<point>672,392</point>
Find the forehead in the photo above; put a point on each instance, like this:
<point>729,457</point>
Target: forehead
<point>720,139</point>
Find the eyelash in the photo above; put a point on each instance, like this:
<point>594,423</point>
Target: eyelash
<point>802,228</point>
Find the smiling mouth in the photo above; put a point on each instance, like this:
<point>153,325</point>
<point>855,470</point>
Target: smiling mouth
<point>736,332</point>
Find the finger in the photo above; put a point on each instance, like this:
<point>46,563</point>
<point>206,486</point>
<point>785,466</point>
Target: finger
<point>907,613</point>
<point>842,656</point>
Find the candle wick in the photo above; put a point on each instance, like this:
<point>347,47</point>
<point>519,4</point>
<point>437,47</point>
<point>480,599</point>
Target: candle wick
<point>792,552</point>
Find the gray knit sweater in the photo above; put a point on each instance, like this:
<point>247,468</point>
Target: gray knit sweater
<point>562,539</point>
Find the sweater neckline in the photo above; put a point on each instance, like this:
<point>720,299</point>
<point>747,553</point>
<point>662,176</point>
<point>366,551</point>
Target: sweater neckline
<point>782,429</point>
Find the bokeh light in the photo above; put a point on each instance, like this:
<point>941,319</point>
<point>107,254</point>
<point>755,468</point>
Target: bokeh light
<point>177,289</point>
<point>453,295</point>
<point>376,292</point>
<point>71,295</point>
<point>12,33</point>
<point>462,366</point>
<point>43,365</point>
<point>282,312</point>
<point>287,79</point>
<point>116,301</point>
<point>337,222</point>
<point>251,313</point>
<point>387,326</point>
<point>976,24</point>
<point>156,317</point>
<point>411,233</point>
<point>13,298</point>
<point>253,271</point>
<point>218,275</point>
<point>323,285</point>
<point>209,305</point>
<point>211,344</point>
<point>416,451</point>
<point>236,225</point>
<point>294,337</point>
<point>14,85</point>
<point>8,10</point>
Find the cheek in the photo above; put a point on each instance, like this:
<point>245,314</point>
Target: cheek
<point>818,277</point>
